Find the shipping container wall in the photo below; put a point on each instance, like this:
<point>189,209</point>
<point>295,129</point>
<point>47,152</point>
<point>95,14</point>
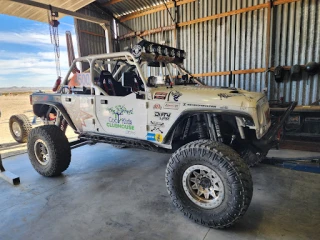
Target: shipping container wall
<point>238,42</point>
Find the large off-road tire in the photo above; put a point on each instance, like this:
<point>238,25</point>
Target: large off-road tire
<point>119,146</point>
<point>49,150</point>
<point>209,183</point>
<point>20,127</point>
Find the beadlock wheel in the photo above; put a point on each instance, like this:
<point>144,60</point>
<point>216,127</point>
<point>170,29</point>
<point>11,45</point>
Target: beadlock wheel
<point>41,152</point>
<point>203,186</point>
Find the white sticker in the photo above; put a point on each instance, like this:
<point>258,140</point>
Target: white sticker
<point>83,79</point>
<point>170,105</point>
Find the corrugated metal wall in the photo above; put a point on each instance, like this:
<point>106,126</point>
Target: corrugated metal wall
<point>238,42</point>
<point>296,40</point>
<point>90,36</point>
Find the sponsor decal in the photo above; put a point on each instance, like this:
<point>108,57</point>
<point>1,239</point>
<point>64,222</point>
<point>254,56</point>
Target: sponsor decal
<point>162,115</point>
<point>228,95</point>
<point>175,95</point>
<point>156,126</point>
<point>173,106</point>
<point>136,51</point>
<point>116,121</point>
<point>130,132</point>
<point>79,117</point>
<point>160,95</point>
<point>157,106</point>
<point>198,105</point>
<point>155,137</point>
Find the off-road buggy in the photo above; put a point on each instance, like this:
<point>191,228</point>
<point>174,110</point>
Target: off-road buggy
<point>144,98</point>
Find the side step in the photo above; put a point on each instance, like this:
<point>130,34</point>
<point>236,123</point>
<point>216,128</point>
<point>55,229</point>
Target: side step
<point>141,144</point>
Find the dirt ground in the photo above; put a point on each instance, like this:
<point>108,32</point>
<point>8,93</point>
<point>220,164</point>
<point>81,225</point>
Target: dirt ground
<point>12,105</point>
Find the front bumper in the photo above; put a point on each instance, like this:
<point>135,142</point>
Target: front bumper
<point>268,140</point>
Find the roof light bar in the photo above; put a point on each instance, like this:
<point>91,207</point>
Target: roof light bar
<point>160,53</point>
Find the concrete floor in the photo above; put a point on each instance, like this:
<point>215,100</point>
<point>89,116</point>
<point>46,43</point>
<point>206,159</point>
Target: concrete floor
<point>110,193</point>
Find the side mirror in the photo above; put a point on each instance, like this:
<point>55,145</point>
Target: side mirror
<point>128,79</point>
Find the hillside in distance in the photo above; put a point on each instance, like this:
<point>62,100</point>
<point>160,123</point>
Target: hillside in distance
<point>15,89</point>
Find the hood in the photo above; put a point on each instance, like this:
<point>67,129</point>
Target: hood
<point>208,95</point>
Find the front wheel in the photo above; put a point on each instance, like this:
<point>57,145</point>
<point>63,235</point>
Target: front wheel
<point>49,150</point>
<point>209,183</point>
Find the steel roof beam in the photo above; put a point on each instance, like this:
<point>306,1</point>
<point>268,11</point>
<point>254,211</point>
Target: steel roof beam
<point>64,11</point>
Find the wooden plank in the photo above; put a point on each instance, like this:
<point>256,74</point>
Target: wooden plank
<point>92,33</point>
<point>212,17</point>
<point>153,9</point>
<point>236,72</point>
<point>210,74</point>
<point>147,32</point>
<point>111,2</point>
<point>225,14</point>
<point>255,70</point>
<point>278,2</point>
<point>157,30</point>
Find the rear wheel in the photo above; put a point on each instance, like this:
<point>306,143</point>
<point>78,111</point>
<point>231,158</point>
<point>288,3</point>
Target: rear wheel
<point>20,127</point>
<point>209,183</point>
<point>49,150</point>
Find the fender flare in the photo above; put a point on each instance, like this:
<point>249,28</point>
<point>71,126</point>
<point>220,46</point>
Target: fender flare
<point>58,106</point>
<point>185,114</point>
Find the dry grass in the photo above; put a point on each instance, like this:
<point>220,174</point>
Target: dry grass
<point>17,103</point>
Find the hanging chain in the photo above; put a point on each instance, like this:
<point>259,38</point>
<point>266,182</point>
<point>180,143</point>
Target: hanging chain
<point>54,37</point>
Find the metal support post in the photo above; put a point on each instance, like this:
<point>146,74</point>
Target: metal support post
<point>8,176</point>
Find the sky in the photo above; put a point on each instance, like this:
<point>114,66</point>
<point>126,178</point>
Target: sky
<point>26,53</point>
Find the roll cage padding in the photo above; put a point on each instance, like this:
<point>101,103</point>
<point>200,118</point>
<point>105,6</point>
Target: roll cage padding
<point>58,106</point>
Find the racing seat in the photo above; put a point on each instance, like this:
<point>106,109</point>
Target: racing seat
<point>110,85</point>
<point>137,84</point>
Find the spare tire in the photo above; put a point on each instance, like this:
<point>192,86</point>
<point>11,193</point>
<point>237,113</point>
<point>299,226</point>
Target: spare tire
<point>20,127</point>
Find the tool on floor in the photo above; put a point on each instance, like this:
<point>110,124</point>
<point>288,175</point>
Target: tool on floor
<point>8,176</point>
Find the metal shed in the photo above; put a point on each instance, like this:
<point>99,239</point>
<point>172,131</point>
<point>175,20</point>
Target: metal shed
<point>245,38</point>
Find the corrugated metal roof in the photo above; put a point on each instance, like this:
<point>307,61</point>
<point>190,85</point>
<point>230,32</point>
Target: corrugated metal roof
<point>124,7</point>
<point>38,14</point>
